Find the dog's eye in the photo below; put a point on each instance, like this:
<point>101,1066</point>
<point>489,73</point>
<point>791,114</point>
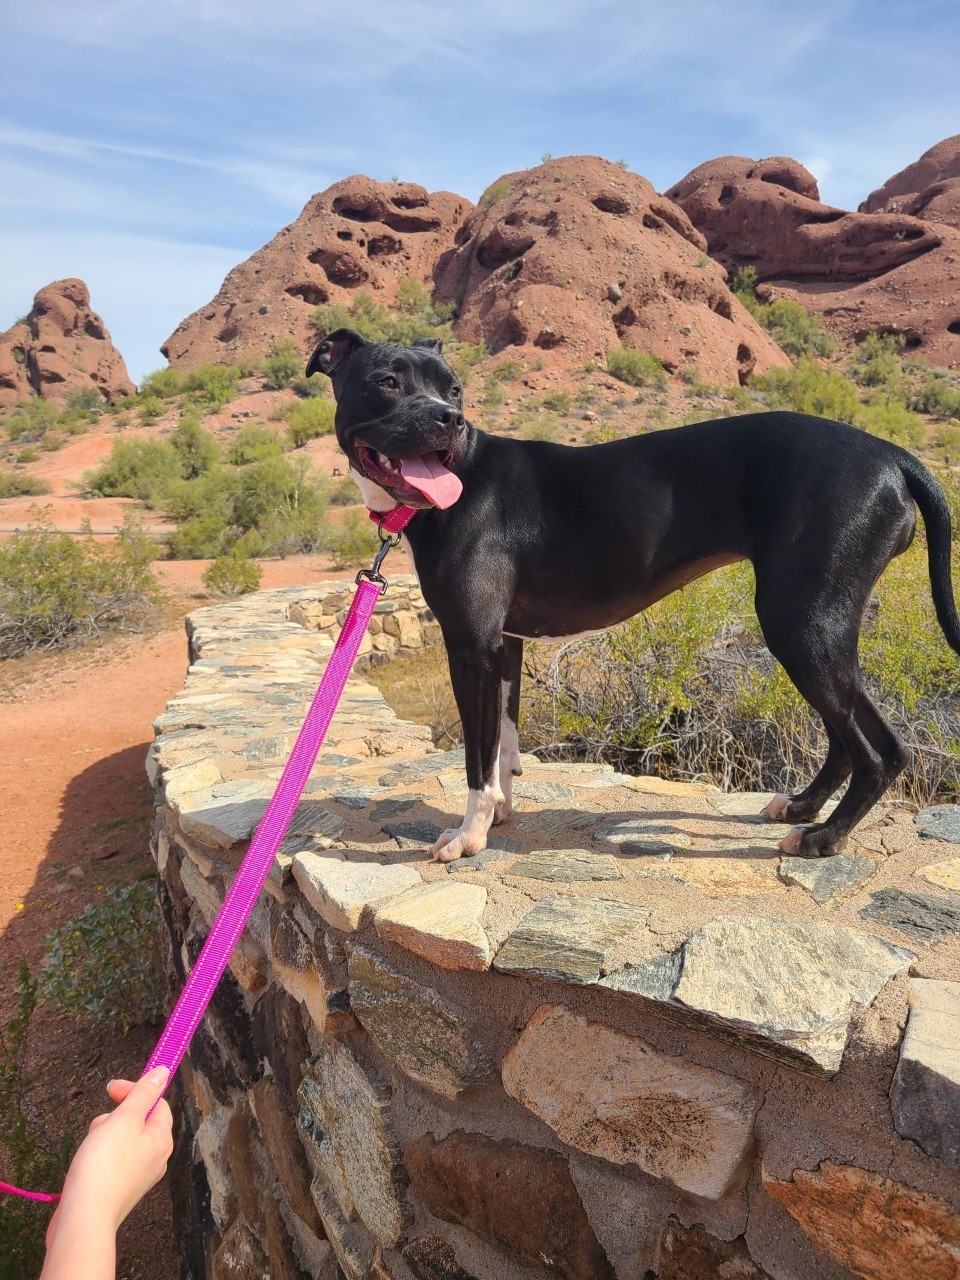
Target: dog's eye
<point>456,392</point>
<point>390,383</point>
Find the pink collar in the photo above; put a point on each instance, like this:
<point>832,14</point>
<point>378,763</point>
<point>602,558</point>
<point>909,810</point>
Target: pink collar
<point>394,520</point>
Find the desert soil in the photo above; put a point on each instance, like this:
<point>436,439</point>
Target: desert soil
<point>76,810</point>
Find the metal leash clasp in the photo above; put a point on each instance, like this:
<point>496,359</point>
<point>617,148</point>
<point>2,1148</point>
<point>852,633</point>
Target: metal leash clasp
<point>373,574</point>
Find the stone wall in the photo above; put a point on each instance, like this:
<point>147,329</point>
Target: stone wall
<point>629,1040</point>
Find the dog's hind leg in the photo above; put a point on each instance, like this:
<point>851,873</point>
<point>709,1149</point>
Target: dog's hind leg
<point>509,716</point>
<point>476,674</point>
<point>805,806</point>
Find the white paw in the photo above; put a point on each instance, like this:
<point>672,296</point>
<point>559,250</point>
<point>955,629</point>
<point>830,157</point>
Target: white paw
<point>790,844</point>
<point>457,843</point>
<point>777,808</point>
<point>502,811</point>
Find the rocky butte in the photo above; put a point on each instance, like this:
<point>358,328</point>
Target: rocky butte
<point>59,347</point>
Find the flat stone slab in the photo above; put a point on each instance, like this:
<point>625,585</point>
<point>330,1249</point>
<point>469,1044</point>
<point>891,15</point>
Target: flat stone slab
<point>944,874</point>
<point>726,877</point>
<point>355,797</point>
<point>341,891</point>
<point>413,835</point>
<point>499,852</point>
<point>540,791</point>
<point>426,767</point>
<point>655,979</point>
<point>224,814</point>
<point>413,1027</point>
<point>614,1096</point>
<point>567,938</point>
<point>784,984</point>
<point>925,916</point>
<point>441,922</point>
<point>653,837</point>
<point>826,878</point>
<point>548,824</point>
<point>312,819</point>
<point>566,865</point>
<point>925,1098</point>
<point>750,804</point>
<point>940,822</point>
<point>393,805</point>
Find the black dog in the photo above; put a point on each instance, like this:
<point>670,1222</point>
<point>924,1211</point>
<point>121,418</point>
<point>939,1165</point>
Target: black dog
<point>517,539</point>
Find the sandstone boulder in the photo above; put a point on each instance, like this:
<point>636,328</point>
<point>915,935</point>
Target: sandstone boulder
<point>357,234</point>
<point>928,189</point>
<point>577,255</point>
<point>59,347</point>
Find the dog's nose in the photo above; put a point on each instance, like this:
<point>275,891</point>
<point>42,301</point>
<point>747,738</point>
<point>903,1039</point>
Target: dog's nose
<point>445,415</point>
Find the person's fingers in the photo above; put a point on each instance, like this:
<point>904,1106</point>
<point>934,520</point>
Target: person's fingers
<point>97,1121</point>
<point>52,1226</point>
<point>146,1092</point>
<point>117,1090</point>
<point>161,1119</point>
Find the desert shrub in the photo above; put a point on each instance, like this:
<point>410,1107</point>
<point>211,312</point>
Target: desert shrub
<point>103,966</point>
<point>875,362</point>
<point>308,388</point>
<point>195,446</point>
<point>689,689</point>
<point>352,541</point>
<point>253,443</point>
<point>540,427</point>
<point>946,442</point>
<point>151,407</point>
<point>496,192</point>
<point>85,400</point>
<point>29,454</point>
<point>308,419</point>
<point>505,371</point>
<point>889,418</point>
<point>343,493</point>
<point>744,287</point>
<point>15,484</point>
<point>937,396</point>
<point>794,329</point>
<point>636,368</point>
<point>558,402</point>
<point>602,433</point>
<point>462,356</point>
<point>162,384</point>
<point>232,575</point>
<point>282,364</point>
<point>31,420</point>
<point>808,387</point>
<point>143,469</point>
<point>56,589</point>
<point>34,1159</point>
<point>211,386</point>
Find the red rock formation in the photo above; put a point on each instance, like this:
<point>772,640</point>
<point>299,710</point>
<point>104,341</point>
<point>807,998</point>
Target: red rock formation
<point>884,271</point>
<point>60,347</point>
<point>928,189</point>
<point>577,255</point>
<point>357,233</point>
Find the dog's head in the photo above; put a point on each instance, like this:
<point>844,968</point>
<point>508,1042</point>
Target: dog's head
<point>399,414</point>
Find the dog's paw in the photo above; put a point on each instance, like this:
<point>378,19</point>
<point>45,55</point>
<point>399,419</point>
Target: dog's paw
<point>776,810</point>
<point>502,811</point>
<point>790,844</point>
<point>456,843</point>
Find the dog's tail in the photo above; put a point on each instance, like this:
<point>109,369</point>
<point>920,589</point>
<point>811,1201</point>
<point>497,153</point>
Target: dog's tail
<point>929,497</point>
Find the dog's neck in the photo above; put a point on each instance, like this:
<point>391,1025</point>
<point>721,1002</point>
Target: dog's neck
<point>375,498</point>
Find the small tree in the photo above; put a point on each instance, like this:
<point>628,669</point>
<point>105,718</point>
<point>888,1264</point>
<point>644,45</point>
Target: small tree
<point>282,364</point>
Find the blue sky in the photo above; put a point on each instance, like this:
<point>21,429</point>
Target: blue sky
<point>149,146</point>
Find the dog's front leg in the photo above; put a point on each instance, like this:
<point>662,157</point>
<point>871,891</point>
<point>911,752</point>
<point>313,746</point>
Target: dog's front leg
<point>476,673</point>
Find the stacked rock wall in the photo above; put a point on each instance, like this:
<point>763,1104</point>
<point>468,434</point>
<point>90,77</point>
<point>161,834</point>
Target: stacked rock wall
<point>628,1041</point>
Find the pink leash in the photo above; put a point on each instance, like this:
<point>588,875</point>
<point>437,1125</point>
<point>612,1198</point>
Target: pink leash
<point>249,881</point>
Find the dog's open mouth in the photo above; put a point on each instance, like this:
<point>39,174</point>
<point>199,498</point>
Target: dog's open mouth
<point>408,479</point>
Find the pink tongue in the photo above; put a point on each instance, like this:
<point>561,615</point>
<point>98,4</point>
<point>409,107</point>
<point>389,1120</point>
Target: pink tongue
<point>429,476</point>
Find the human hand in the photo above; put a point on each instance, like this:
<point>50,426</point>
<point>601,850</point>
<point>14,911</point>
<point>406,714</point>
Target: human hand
<point>124,1154</point>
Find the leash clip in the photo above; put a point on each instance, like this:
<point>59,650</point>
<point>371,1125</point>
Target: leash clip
<point>373,574</point>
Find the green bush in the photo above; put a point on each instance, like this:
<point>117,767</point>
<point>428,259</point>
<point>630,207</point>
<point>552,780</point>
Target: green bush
<point>938,396</point>
<point>282,364</point>
<point>875,362</point>
<point>558,402</point>
<point>29,454</point>
<point>808,387</point>
<point>253,443</point>
<point>636,368</point>
<point>103,966</point>
<point>143,469</point>
<point>195,446</point>
<point>151,407</point>
<point>795,330</point>
<point>85,400</point>
<point>889,418</point>
<point>211,386</point>
<point>505,371</point>
<point>744,287</point>
<point>353,541</point>
<point>496,192</point>
<point>308,419</point>
<point>15,484</point>
<point>32,1157</point>
<point>540,427</point>
<point>308,388</point>
<point>232,575</point>
<point>56,589</point>
<point>32,419</point>
<point>162,384</point>
<point>343,493</point>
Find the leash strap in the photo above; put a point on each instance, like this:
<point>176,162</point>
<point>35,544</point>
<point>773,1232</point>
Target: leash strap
<point>249,881</point>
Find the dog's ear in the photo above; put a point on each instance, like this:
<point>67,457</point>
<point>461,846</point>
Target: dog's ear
<point>435,344</point>
<point>332,350</point>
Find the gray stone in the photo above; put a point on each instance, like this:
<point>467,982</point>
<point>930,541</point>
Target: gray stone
<point>940,822</point>
<point>925,916</point>
<point>311,819</point>
<point>355,797</point>
<point>344,1129</point>
<point>925,1098</point>
<point>413,835</point>
<point>496,851</point>
<point>789,989</point>
<point>614,1096</point>
<point>538,790</point>
<point>441,922</point>
<point>341,891</point>
<point>825,878</point>
<point>223,814</point>
<point>393,805</point>
<point>566,865</point>
<point>426,767</point>
<point>643,837</point>
<point>656,979</point>
<point>551,823</point>
<point>330,760</point>
<point>567,938</point>
<point>276,747</point>
<point>413,1027</point>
